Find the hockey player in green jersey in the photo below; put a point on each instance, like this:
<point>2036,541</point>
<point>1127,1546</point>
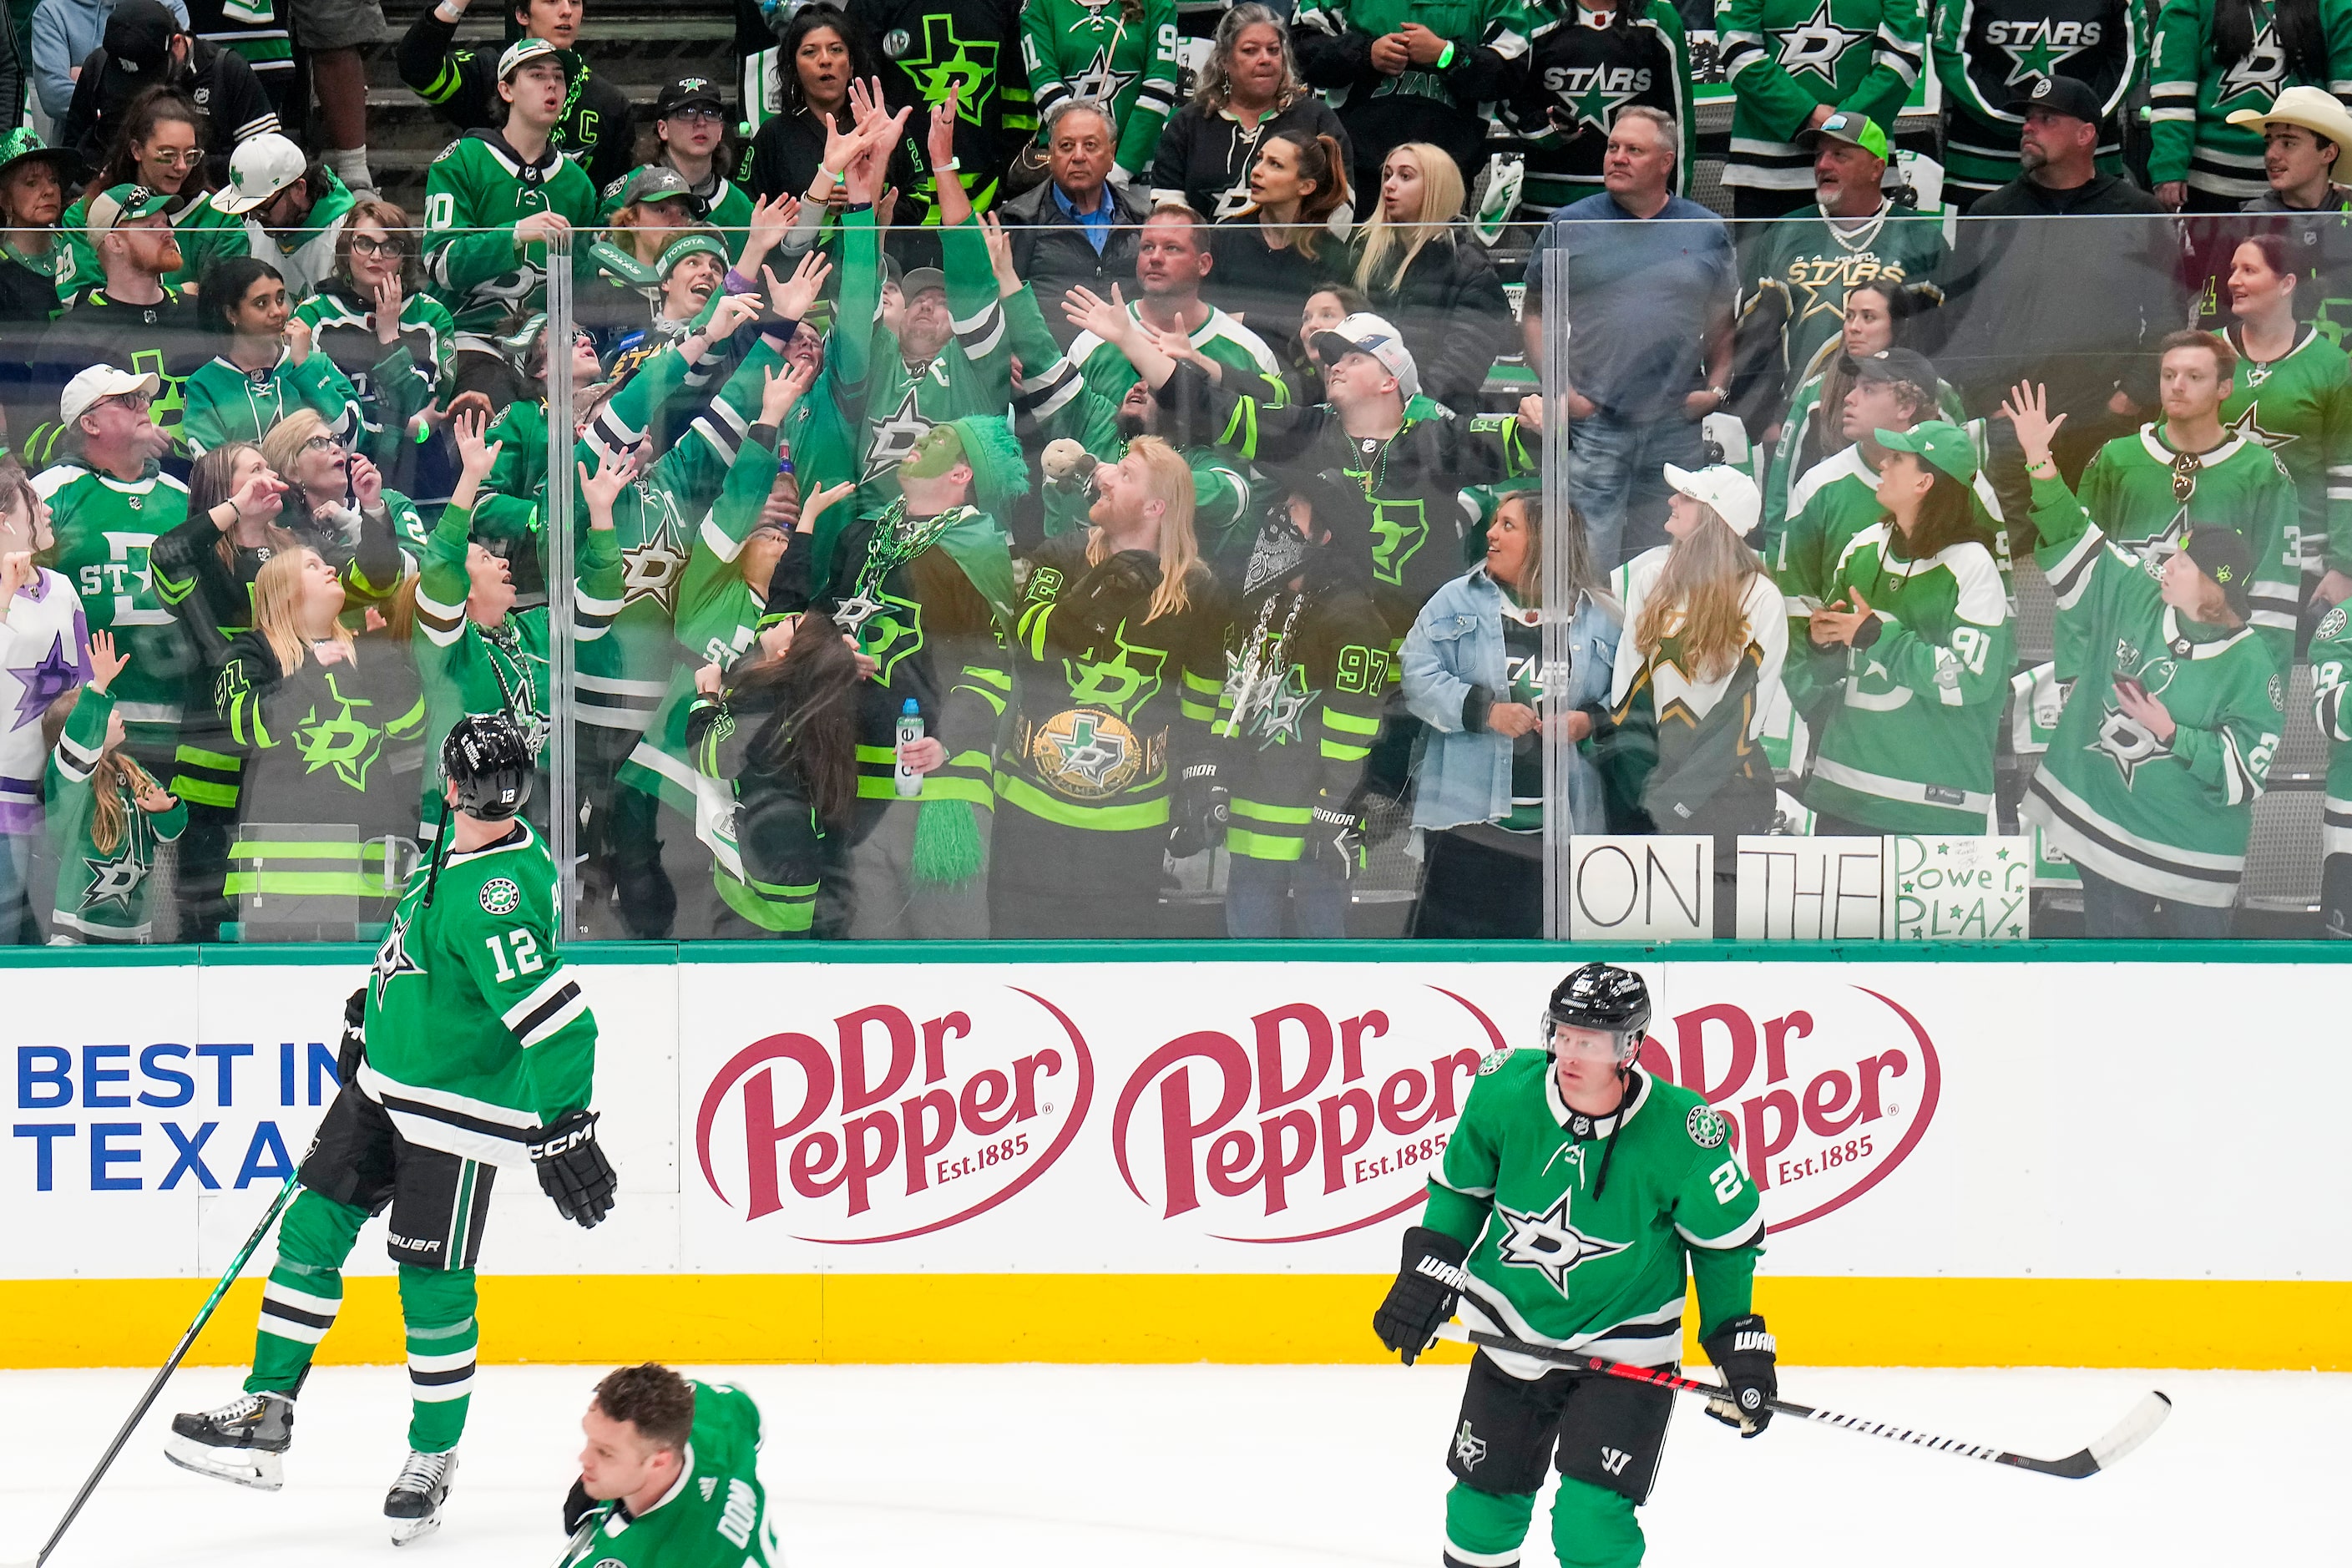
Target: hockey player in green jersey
<point>2293,394</point>
<point>1905,664</point>
<point>494,197</point>
<point>2213,58</point>
<point>108,818</point>
<point>2331,675</point>
<point>2146,490</point>
<point>1120,54</point>
<point>1574,1193</point>
<point>1792,64</point>
<point>669,1477</point>
<point>108,503</point>
<point>2175,715</point>
<point>1989,54</point>
<point>470,1048</point>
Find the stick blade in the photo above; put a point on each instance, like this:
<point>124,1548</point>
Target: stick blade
<point>2129,1434</point>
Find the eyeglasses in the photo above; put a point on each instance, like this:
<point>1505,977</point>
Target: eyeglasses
<point>691,117</point>
<point>187,160</point>
<point>366,245</point>
<point>129,402</point>
<point>322,444</point>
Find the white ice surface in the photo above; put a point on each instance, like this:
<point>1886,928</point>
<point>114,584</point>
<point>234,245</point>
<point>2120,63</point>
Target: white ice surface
<point>1037,1466</point>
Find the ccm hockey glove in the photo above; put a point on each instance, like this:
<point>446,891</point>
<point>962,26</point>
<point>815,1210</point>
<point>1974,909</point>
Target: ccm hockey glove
<point>572,1168</point>
<point>1742,1351</point>
<point>1421,1300</point>
<point>1199,813</point>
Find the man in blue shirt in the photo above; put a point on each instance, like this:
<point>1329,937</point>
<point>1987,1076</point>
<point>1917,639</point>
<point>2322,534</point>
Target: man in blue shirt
<point>1079,227</point>
<point>1651,288</point>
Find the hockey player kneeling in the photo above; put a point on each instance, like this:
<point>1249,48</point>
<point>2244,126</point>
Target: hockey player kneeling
<point>669,1477</point>
<point>470,1048</point>
<point>1570,1194</point>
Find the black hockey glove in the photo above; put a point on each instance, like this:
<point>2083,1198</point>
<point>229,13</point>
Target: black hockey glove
<point>1742,1351</point>
<point>572,1168</point>
<point>1090,610</point>
<point>577,1505</point>
<point>1421,1300</point>
<point>1199,813</point>
<point>353,1049</point>
<point>1336,838</point>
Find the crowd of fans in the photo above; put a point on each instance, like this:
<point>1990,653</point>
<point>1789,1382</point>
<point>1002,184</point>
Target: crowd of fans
<point>1033,461</point>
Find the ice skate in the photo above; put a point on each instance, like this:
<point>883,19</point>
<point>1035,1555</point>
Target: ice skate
<point>243,1441</point>
<point>414,1504</point>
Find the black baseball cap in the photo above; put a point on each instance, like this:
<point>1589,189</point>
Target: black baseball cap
<point>2060,94</point>
<point>688,92</point>
<point>1893,364</point>
<point>2221,554</point>
<point>138,40</point>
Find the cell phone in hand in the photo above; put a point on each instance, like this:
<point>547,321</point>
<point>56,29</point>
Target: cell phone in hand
<point>2129,686</point>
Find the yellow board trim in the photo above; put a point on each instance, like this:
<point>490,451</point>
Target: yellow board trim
<point>725,1319</point>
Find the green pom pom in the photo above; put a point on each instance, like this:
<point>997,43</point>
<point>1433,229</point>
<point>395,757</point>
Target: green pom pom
<point>948,848</point>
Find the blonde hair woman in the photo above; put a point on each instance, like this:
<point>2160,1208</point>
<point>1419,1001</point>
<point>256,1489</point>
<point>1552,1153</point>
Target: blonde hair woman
<point>1121,655</point>
<point>107,815</point>
<point>337,503</point>
<point>1422,269</point>
<point>331,727</point>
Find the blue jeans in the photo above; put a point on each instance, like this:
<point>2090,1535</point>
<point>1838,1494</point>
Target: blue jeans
<point>15,888</point>
<point>1256,892</point>
<point>2112,910</point>
<point>1616,479</point>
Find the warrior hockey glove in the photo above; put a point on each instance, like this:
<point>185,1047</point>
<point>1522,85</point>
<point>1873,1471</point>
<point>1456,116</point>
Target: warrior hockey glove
<point>1742,1351</point>
<point>1337,839</point>
<point>1421,1300</point>
<point>1201,810</point>
<point>1090,610</point>
<point>353,1049</point>
<point>572,1168</point>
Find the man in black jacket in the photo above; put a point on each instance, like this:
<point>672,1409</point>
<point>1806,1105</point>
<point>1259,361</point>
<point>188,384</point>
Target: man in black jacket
<point>145,47</point>
<point>461,83</point>
<point>2078,306</point>
<point>1079,227</point>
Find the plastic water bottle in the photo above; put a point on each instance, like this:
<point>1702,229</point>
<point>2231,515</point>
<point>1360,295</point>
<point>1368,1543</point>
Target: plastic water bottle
<point>910,730</point>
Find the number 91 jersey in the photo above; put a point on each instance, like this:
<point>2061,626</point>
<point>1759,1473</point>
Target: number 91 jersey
<point>715,1516</point>
<point>1580,1225</point>
<point>476,1033</point>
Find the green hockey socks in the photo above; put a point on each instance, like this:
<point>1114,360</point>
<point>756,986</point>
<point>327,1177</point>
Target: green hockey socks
<point>1590,1528</point>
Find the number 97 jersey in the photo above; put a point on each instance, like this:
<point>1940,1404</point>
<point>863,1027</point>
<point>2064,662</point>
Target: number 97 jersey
<point>476,1033</point>
<point>715,1516</point>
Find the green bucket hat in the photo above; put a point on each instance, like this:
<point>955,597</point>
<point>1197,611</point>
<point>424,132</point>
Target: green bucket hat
<point>1942,445</point>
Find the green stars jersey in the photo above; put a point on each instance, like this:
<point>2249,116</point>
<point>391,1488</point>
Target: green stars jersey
<point>228,403</point>
<point>475,193</point>
<point>1588,66</point>
<point>715,1516</point>
<point>1784,58</point>
<point>1906,727</point>
<point>1835,500</point>
<point>1581,1241</point>
<point>105,528</point>
<point>726,205</point>
<point>1220,338</point>
<point>2331,674</point>
<point>2167,818</point>
<point>1097,50</point>
<point>2299,407</point>
<point>2145,496</point>
<point>1808,436</point>
<point>392,384</point>
<point>101,891</point>
<point>2192,92</point>
<point>1988,52</point>
<point>1805,263</point>
<point>476,1033</point>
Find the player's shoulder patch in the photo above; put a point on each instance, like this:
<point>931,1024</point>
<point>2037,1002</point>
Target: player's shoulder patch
<point>2278,693</point>
<point>1494,1060</point>
<point>500,895</point>
<point>1705,1127</point>
<point>2333,624</point>
<point>449,152</point>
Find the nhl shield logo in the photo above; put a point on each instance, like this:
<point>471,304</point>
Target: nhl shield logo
<point>500,895</point>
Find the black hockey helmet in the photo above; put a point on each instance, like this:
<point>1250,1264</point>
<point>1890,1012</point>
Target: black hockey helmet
<point>487,758</point>
<point>1601,996</point>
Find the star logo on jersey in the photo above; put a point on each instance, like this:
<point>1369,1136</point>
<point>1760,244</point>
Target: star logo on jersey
<point>892,438</point>
<point>2127,742</point>
<point>1547,1243</point>
<point>1090,753</point>
<point>343,741</point>
<point>44,683</point>
<point>2035,53</point>
<point>1399,527</point>
<point>1469,1448</point>
<point>1121,683</point>
<point>890,634</point>
<point>2259,71</point>
<point>1099,81</point>
<point>947,62</point>
<point>652,570</point>
<point>2248,426</point>
<point>1816,46</point>
<point>1283,721</point>
<point>1593,94</point>
<point>392,959</point>
<point>113,881</point>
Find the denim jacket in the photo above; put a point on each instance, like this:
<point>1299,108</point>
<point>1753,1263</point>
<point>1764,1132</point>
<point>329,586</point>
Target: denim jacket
<point>1457,643</point>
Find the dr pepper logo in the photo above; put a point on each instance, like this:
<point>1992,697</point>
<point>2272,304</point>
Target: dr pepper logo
<point>1822,1101</point>
<point>889,1125</point>
<point>1298,1123</point>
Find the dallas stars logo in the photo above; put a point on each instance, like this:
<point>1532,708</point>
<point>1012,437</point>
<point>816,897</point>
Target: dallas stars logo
<point>2259,71</point>
<point>1469,1448</point>
<point>1101,82</point>
<point>392,959</point>
<point>345,743</point>
<point>947,62</point>
<point>894,436</point>
<point>114,881</point>
<point>1593,94</point>
<point>44,683</point>
<point>1119,684</point>
<point>653,568</point>
<point>2127,742</point>
<point>2248,426</point>
<point>1091,754</point>
<point>1547,1243</point>
<point>1817,45</point>
<point>1399,527</point>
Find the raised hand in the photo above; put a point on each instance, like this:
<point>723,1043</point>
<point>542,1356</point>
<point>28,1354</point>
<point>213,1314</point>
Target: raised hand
<point>600,488</point>
<point>476,457</point>
<point>772,219</point>
<point>2027,409</point>
<point>780,394</point>
<point>105,664</point>
<point>389,302</point>
<point>1000,256</point>
<point>813,506</point>
<point>298,340</point>
<point>730,313</point>
<point>940,142</point>
<point>367,482</point>
<point>1105,318</point>
<point>794,295</point>
<point>153,798</point>
<point>840,145</point>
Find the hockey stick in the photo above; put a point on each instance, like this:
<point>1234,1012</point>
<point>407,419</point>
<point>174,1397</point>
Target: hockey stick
<point>2129,1434</point>
<point>252,1243</point>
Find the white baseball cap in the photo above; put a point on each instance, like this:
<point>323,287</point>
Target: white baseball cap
<point>1732,494</point>
<point>99,381</point>
<point>1365,333</point>
<point>261,167</point>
